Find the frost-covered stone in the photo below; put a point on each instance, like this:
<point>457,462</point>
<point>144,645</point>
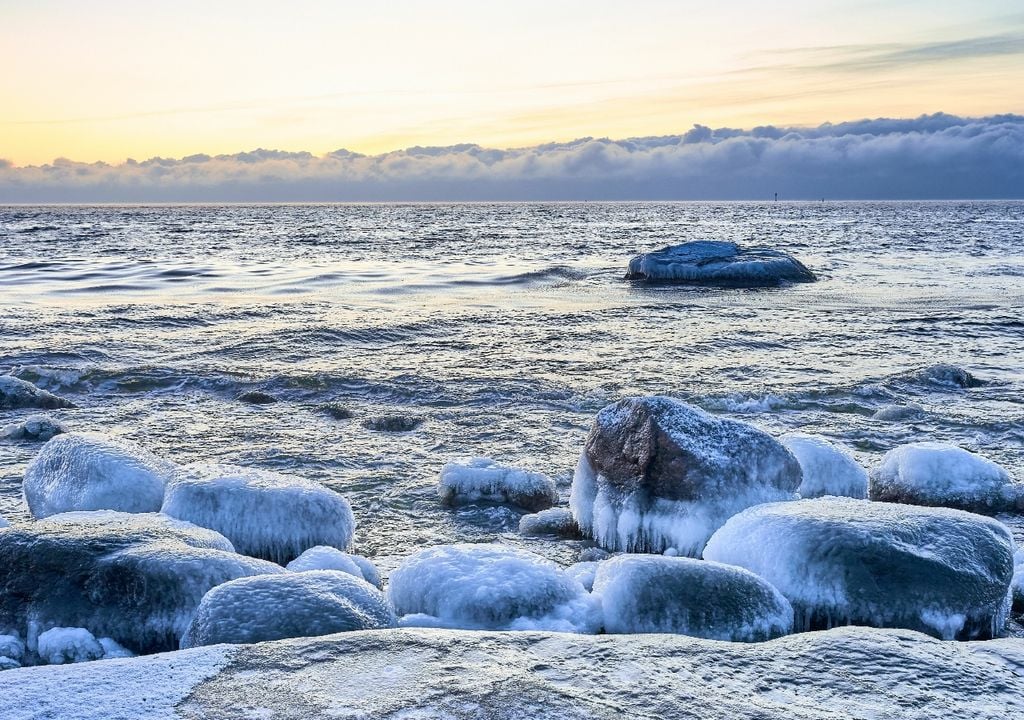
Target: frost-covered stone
<point>17,393</point>
<point>708,262</point>
<point>11,646</point>
<point>488,587</point>
<point>652,594</point>
<point>898,413</point>
<point>92,471</point>
<point>584,573</point>
<point>827,470</point>
<point>273,607</point>
<point>61,645</point>
<point>34,428</point>
<point>265,514</point>
<point>938,474</point>
<point>657,473</point>
<point>7,663</point>
<point>484,480</point>
<point>323,557</point>
<point>844,561</point>
<point>553,521</point>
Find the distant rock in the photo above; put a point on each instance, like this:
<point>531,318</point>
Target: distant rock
<point>553,521</point>
<point>16,393</point>
<point>945,374</point>
<point>257,397</point>
<point>483,480</point>
<point>899,413</point>
<point>707,262</point>
<point>34,428</point>
<point>392,423</point>
<point>337,411</point>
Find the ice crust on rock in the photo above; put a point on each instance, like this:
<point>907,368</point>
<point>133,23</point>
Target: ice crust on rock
<point>483,586</point>
<point>483,480</point>
<point>61,645</point>
<point>12,646</point>
<point>845,561</point>
<point>657,594</point>
<point>657,473</point>
<point>323,557</point>
<point>93,471</point>
<point>16,393</point>
<point>35,428</point>
<point>584,573</point>
<point>709,262</point>
<point>937,474</point>
<point>827,470</point>
<point>553,521</point>
<point>273,607</point>
<point>265,514</point>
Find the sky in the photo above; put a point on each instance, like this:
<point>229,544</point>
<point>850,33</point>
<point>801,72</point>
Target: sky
<point>110,80</point>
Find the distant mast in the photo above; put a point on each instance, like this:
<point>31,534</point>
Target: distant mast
<point>776,197</point>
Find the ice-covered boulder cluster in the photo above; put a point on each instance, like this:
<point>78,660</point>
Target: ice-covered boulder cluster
<point>710,262</point>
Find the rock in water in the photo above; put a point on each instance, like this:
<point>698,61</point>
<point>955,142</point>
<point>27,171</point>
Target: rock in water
<point>707,262</point>
<point>265,514</point>
<point>392,423</point>
<point>92,471</point>
<point>17,393</point>
<point>657,473</point>
<point>943,475</point>
<point>827,470</point>
<point>654,594</point>
<point>274,607</point>
<point>483,480</point>
<point>34,428</point>
<point>843,561</point>
<point>554,521</point>
<point>257,397</point>
<point>322,557</point>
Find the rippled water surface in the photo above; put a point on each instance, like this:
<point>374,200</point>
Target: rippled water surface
<point>505,328</point>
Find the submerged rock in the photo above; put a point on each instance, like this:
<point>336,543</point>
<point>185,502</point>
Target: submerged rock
<point>945,374</point>
<point>34,428</point>
<point>484,480</point>
<point>392,423</point>
<point>257,397</point>
<point>554,521</point>
<point>337,411</point>
<point>844,561</point>
<point>707,262</point>
<point>656,473</point>
<point>16,393</point>
<point>827,470</point>
<point>323,557</point>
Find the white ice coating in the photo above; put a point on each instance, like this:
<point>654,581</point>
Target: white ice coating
<point>716,262</point>
<point>61,645</point>
<point>265,514</point>
<point>657,594</point>
<point>12,646</point>
<point>484,480</point>
<point>483,586</point>
<point>553,521</point>
<point>827,469</point>
<point>323,557</point>
<point>35,427</point>
<point>93,471</point>
<point>583,572</point>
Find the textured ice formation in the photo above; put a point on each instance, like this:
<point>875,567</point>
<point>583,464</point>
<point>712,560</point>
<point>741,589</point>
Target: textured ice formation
<point>484,480</point>
<point>323,557</point>
<point>844,561</point>
<point>135,578</point>
<point>489,587</point>
<point>265,514</point>
<point>584,573</point>
<point>17,393</point>
<point>938,474</point>
<point>657,473</point>
<point>708,262</point>
<point>61,645</point>
<point>553,521</point>
<point>656,594</point>
<point>827,469</point>
<point>36,428</point>
<point>92,471</point>
<point>273,607</point>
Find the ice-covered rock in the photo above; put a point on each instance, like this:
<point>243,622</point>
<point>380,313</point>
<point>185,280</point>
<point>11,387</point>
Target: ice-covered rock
<point>594,554</point>
<point>273,607</point>
<point>489,587</point>
<point>17,393</point>
<point>827,469</point>
<point>652,594</point>
<point>708,262</point>
<point>323,557</point>
<point>7,663</point>
<point>35,428</point>
<point>12,646</point>
<point>484,480</point>
<point>553,521</point>
<point>898,413</point>
<point>113,649</point>
<point>135,578</point>
<point>92,471</point>
<point>937,474</point>
<point>945,374</point>
<point>584,573</point>
<point>657,473</point>
<point>845,561</point>
<point>265,514</point>
<point>61,645</point>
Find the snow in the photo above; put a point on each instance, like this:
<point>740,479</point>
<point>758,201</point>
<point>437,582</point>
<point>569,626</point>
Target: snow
<point>483,480</point>
<point>272,607</point>
<point>657,594</point>
<point>93,471</point>
<point>584,573</point>
<point>323,557</point>
<point>709,262</point>
<point>38,428</point>
<point>930,473</point>
<point>68,645</point>
<point>17,393</point>
<point>827,469</point>
<point>845,561</point>
<point>265,514</point>
<point>553,521</point>
<point>488,587</point>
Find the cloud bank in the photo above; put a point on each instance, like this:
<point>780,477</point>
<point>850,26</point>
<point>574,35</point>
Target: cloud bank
<point>933,156</point>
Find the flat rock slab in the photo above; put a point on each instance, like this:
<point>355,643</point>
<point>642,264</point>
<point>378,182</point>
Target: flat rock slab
<point>841,673</point>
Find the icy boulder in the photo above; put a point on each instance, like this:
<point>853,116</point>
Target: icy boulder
<point>584,573</point>
<point>707,262</point>
<point>265,514</point>
<point>135,578</point>
<point>483,480</point>
<point>34,428</point>
<point>843,561</point>
<point>17,393</point>
<point>489,587</point>
<point>274,607</point>
<point>92,471</point>
<point>656,473</point>
<point>827,470</point>
<point>322,557</point>
<point>61,645</point>
<point>553,521</point>
<point>937,474</point>
<point>12,647</point>
<point>653,594</point>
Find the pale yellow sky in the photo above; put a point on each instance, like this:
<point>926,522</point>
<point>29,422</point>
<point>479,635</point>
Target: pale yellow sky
<point>109,80</point>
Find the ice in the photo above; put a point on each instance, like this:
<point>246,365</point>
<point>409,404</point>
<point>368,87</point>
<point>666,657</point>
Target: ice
<point>929,473</point>
<point>656,594</point>
<point>7,663</point>
<point>708,262</point>
<point>657,473</point>
<point>845,561</point>
<point>265,514</point>
<point>827,469</point>
<point>11,646</point>
<point>488,587</point>
<point>323,557</point>
<point>17,393</point>
<point>484,480</point>
<point>553,521</point>
<point>35,428</point>
<point>583,572</point>
<point>61,645</point>
<point>273,607</point>
<point>92,471</point>
<point>113,649</point>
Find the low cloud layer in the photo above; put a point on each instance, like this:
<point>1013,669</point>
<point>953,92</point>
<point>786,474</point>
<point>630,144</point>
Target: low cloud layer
<point>932,156</point>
